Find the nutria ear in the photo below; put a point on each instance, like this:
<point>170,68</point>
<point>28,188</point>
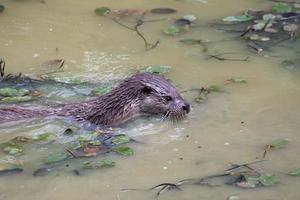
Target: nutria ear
<point>147,90</point>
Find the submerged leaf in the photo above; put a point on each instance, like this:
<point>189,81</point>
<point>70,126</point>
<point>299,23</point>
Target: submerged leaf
<point>295,172</point>
<point>236,79</point>
<point>12,92</point>
<point>279,143</point>
<point>98,164</point>
<point>282,7</point>
<point>124,151</point>
<point>41,137</point>
<point>12,148</point>
<point>120,139</point>
<point>56,157</point>
<point>100,91</point>
<point>215,88</point>
<point>17,99</point>
<point>156,69</point>
<point>102,11</point>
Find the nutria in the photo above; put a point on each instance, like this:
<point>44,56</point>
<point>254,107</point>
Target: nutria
<point>140,95</point>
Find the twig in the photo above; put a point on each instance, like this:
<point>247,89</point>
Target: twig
<point>135,28</point>
<point>2,67</point>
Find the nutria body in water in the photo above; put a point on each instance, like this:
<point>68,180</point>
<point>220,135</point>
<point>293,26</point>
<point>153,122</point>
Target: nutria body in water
<point>141,94</point>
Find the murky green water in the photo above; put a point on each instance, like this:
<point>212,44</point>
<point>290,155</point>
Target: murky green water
<point>231,127</point>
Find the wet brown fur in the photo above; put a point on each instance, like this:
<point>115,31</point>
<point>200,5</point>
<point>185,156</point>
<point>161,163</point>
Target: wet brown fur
<point>141,94</point>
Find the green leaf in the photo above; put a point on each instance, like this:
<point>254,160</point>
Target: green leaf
<point>17,99</point>
<point>156,69</point>
<point>282,8</point>
<point>12,148</point>
<point>41,137</point>
<point>235,19</point>
<point>87,137</point>
<point>56,157</point>
<point>102,11</point>
<point>215,88</point>
<point>124,151</point>
<point>295,172</point>
<point>107,163</point>
<point>268,179</point>
<point>12,92</point>
<point>200,99</point>
<point>100,91</point>
<point>171,30</point>
<point>98,164</point>
<point>120,139</point>
<point>236,79</point>
<point>279,143</point>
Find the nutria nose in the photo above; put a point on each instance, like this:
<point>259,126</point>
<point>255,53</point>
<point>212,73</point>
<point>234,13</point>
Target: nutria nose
<point>186,107</point>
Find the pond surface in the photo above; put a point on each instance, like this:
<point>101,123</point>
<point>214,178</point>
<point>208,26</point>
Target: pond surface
<point>230,127</point>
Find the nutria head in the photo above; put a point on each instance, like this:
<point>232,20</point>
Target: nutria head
<point>140,94</point>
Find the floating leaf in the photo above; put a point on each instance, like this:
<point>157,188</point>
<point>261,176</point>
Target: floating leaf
<point>191,18</point>
<point>100,91</point>
<point>98,164</point>
<point>282,7</point>
<point>12,148</point>
<point>41,137</point>
<point>156,69</point>
<point>120,139</point>
<point>235,19</point>
<point>269,17</point>
<point>163,10</point>
<point>236,79</point>
<point>295,172</point>
<point>124,151</point>
<point>171,30</point>
<point>102,11</point>
<point>11,92</point>
<point>279,143</point>
<point>268,179</point>
<point>260,25</point>
<point>252,180</point>
<point>87,137</point>
<point>56,157</point>
<point>17,99</point>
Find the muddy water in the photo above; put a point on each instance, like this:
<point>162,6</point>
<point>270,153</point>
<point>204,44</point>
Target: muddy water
<point>231,127</point>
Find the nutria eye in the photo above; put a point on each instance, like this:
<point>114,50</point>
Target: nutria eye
<point>168,98</point>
